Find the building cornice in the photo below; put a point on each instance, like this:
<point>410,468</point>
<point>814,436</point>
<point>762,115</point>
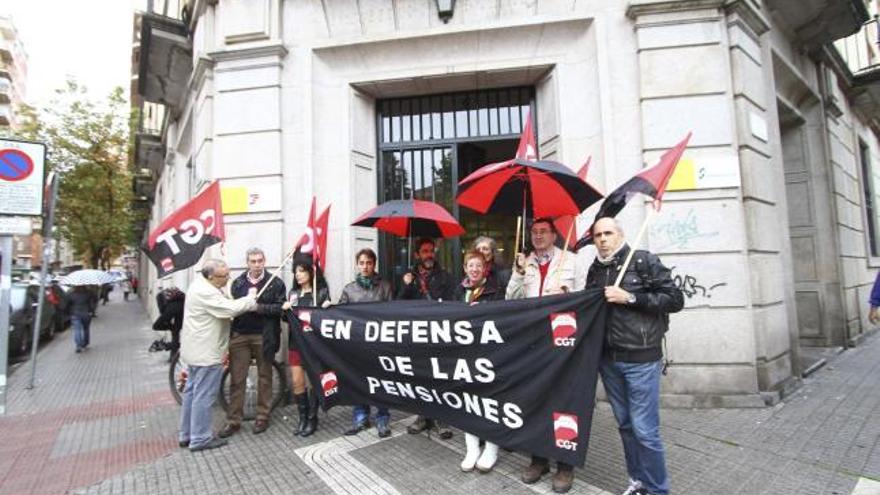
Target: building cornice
<point>638,8</point>
<point>273,48</point>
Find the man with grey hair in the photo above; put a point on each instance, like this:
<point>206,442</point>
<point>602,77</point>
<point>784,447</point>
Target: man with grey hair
<point>254,335</point>
<point>203,342</point>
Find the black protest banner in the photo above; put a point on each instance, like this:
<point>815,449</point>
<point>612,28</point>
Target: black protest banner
<point>519,373</point>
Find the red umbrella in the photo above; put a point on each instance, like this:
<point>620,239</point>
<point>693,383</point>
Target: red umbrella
<point>411,217</point>
<point>550,187</point>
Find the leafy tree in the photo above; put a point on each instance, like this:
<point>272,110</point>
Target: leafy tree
<point>88,144</point>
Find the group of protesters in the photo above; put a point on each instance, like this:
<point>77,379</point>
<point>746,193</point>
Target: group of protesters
<point>631,364</point>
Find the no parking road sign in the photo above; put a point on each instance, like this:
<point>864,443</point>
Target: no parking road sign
<point>21,177</point>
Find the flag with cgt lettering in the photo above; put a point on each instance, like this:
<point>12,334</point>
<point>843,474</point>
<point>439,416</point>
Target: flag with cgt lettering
<point>519,373</point>
<point>181,239</point>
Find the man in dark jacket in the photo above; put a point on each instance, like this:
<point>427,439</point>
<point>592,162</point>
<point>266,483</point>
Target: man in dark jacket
<point>367,286</point>
<point>638,318</point>
<point>427,281</point>
<point>253,335</point>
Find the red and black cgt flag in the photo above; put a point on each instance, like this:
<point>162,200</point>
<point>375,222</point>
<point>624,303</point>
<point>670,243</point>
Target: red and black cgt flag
<point>651,182</point>
<point>181,239</point>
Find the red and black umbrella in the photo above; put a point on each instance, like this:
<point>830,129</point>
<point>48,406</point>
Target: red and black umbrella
<point>551,188</point>
<point>411,217</point>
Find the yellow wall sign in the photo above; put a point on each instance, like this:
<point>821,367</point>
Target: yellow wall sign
<point>235,199</point>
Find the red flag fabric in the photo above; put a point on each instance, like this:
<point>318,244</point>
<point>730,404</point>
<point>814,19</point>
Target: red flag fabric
<point>321,238</point>
<point>527,148</point>
<point>651,182</point>
<point>314,240</point>
<point>566,222</point>
<point>181,239</point>
<point>306,242</point>
<point>658,175</point>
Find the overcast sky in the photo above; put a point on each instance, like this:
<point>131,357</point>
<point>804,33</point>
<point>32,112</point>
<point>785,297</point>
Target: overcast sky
<point>87,39</point>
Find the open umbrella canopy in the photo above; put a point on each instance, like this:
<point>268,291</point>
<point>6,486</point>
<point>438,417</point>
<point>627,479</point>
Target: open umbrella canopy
<point>550,188</point>
<point>411,217</point>
<point>88,277</point>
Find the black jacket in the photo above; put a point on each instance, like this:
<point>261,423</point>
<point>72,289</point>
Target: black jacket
<point>501,274</point>
<point>266,313</point>
<point>491,291</point>
<point>634,332</point>
<point>171,315</point>
<point>440,285</point>
<point>306,301</point>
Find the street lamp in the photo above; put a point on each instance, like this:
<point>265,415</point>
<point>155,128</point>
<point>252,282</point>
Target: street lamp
<point>445,9</point>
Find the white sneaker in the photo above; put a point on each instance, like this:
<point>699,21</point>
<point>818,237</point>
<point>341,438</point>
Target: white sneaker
<point>488,458</point>
<point>633,488</point>
<point>472,442</point>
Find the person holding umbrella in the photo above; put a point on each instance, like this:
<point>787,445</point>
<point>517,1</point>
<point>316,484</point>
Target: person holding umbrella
<point>427,280</point>
<point>367,286</point>
<point>476,288</point>
<point>82,299</point>
<point>543,272</point>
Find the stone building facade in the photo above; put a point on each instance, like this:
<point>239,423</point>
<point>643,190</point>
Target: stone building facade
<point>771,222</point>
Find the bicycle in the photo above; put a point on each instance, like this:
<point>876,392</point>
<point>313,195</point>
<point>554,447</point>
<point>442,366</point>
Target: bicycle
<point>177,382</point>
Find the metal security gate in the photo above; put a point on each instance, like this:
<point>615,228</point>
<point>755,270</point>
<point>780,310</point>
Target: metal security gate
<point>427,143</point>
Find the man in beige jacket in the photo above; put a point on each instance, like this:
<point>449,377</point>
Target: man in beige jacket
<point>204,339</point>
<point>546,271</point>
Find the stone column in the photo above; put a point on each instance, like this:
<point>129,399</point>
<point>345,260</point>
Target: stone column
<point>701,70</point>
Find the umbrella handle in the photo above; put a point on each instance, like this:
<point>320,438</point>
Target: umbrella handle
<point>516,244</point>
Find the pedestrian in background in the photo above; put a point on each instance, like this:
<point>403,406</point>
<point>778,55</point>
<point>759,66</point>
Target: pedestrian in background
<point>82,303</point>
<point>204,341</point>
<point>631,364</point>
<point>873,315</point>
<point>367,286</point>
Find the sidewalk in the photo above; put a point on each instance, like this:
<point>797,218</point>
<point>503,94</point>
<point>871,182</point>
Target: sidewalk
<point>104,422</point>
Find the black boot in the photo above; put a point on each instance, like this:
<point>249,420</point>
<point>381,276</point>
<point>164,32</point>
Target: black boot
<point>312,421</point>
<point>302,405</point>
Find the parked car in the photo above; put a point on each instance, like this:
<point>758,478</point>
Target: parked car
<point>23,304</point>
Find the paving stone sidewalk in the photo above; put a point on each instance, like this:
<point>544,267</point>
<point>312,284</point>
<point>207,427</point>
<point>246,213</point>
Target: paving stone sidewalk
<point>104,422</point>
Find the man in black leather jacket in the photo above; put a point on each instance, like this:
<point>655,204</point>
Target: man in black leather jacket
<point>631,366</point>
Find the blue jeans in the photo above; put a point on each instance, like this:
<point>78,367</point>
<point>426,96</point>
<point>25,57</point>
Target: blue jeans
<point>359,414</point>
<point>633,389</point>
<point>196,420</point>
<point>81,326</point>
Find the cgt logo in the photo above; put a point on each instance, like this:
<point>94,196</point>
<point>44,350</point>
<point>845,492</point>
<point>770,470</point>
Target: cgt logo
<point>190,231</point>
<point>565,430</point>
<point>305,317</point>
<point>167,264</point>
<point>329,383</point>
<point>564,326</point>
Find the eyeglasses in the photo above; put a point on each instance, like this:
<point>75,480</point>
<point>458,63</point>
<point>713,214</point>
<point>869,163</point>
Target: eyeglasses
<point>542,232</point>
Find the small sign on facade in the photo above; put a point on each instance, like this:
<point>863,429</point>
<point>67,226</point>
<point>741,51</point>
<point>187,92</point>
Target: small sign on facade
<point>15,225</point>
<point>21,177</point>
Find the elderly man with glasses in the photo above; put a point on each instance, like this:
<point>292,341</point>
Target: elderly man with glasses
<point>204,339</point>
